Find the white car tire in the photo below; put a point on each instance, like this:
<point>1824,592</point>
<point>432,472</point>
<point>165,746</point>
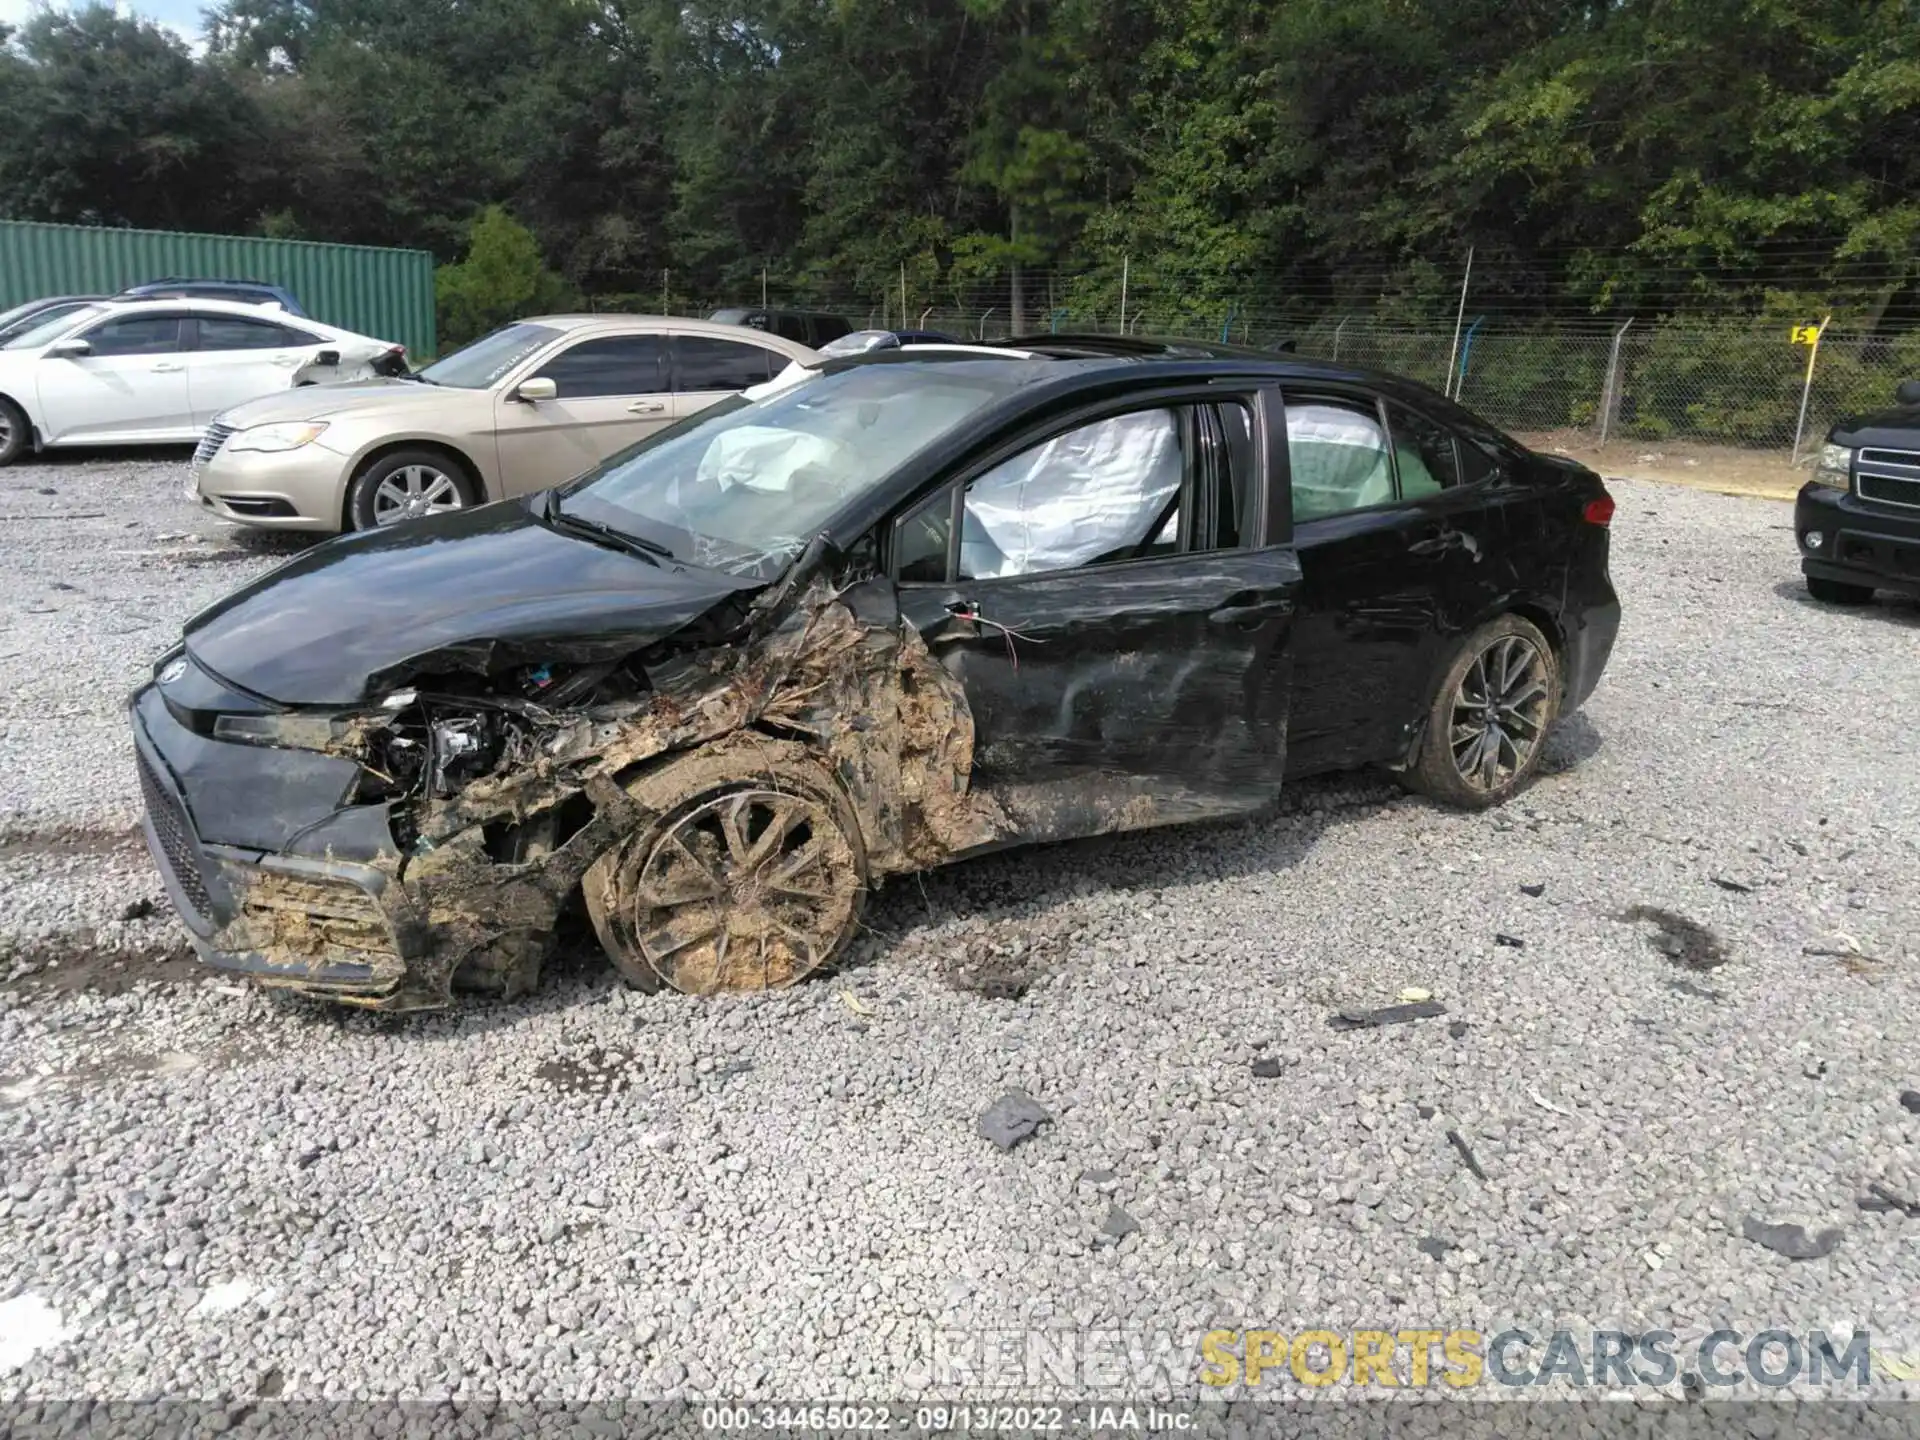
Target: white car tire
<point>16,432</point>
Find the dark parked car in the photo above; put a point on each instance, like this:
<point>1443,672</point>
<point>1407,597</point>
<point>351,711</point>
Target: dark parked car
<point>859,621</point>
<point>35,313</point>
<point>242,292</point>
<point>1858,519</point>
<point>812,328</point>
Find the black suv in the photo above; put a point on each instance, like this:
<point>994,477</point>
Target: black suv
<point>1858,519</point>
<point>812,328</point>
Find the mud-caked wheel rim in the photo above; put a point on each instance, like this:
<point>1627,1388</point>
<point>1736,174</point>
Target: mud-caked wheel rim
<point>412,491</point>
<point>1500,710</point>
<point>749,890</point>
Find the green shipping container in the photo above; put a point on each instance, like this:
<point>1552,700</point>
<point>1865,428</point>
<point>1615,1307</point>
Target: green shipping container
<point>387,294</point>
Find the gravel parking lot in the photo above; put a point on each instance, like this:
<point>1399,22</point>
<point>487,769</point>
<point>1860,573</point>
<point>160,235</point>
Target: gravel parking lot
<point>209,1191</point>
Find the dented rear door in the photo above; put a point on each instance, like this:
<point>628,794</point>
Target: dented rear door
<point>1130,689</point>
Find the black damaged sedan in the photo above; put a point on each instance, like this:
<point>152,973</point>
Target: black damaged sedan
<point>1858,519</point>
<point>864,620</point>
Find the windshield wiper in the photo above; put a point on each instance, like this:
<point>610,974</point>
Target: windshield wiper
<point>551,512</point>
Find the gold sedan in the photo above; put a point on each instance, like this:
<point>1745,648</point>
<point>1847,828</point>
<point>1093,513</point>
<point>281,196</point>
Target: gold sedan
<point>533,404</point>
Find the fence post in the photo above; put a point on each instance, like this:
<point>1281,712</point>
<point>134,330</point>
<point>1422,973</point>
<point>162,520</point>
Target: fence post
<point>1610,389</point>
<point>1806,390</point>
<point>666,289</point>
<point>1126,265</point>
<point>1459,318</point>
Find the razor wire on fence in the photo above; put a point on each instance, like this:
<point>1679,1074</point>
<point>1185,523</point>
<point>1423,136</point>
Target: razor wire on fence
<point>1741,382</point>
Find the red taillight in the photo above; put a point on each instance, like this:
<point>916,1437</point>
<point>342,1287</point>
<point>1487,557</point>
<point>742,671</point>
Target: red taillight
<point>1598,512</point>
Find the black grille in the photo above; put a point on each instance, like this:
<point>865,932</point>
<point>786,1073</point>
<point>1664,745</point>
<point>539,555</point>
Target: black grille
<point>1889,490</point>
<point>210,444</point>
<point>177,843</point>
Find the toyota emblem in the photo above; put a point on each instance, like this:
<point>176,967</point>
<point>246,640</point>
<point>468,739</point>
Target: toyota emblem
<point>172,670</point>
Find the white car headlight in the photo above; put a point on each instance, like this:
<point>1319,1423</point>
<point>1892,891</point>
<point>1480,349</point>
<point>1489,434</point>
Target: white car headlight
<point>273,438</point>
<point>1834,466</point>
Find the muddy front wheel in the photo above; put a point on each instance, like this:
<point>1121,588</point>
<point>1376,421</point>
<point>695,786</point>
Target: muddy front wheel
<point>751,878</point>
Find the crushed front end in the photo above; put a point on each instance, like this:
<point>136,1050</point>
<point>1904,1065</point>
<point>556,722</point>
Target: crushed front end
<point>388,853</point>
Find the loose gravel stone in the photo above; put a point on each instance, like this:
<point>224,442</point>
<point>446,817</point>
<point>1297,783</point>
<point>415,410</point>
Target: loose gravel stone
<point>533,1200</point>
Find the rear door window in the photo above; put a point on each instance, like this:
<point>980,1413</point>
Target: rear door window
<point>702,362</point>
<point>1337,452</point>
<point>230,332</point>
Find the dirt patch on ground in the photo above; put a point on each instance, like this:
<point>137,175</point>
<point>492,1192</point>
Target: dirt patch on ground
<point>593,1072</point>
<point>1683,941</point>
<point>1724,469</point>
<point>64,964</point>
<point>65,841</point>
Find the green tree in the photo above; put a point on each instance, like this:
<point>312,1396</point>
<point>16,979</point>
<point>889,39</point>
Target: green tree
<point>502,278</point>
<point>110,120</point>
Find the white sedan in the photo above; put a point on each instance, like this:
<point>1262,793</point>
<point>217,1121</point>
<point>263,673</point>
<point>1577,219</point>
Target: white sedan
<point>154,372</point>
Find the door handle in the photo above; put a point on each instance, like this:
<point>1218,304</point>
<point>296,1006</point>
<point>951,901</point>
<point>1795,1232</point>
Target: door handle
<point>167,367</point>
<point>647,407</point>
<point>1438,544</point>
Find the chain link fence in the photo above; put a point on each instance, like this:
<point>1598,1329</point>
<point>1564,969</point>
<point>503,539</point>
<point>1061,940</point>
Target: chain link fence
<point>1742,384</point>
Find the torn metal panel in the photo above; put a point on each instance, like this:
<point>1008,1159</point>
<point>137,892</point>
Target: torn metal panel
<point>1122,696</point>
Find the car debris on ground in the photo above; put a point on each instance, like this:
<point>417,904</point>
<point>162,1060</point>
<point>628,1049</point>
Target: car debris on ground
<point>1012,1118</point>
<point>1386,1015</point>
<point>1791,1240</point>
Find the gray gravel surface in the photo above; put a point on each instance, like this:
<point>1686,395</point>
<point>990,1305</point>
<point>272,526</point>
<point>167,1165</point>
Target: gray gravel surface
<point>210,1191</point>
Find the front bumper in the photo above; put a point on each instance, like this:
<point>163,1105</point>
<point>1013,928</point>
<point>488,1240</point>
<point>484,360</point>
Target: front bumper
<point>302,489</point>
<point>1862,542</point>
<point>303,915</point>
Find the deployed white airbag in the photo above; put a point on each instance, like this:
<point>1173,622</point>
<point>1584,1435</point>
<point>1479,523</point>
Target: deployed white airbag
<point>1079,496</point>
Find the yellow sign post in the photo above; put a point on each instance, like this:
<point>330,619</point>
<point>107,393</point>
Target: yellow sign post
<point>1809,336</point>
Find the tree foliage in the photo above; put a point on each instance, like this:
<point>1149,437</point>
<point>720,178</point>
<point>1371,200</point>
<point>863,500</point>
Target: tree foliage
<point>501,278</point>
<point>1628,157</point>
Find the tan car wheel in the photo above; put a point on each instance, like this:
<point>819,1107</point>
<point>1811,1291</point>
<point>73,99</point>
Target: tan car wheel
<point>747,881</point>
<point>407,485</point>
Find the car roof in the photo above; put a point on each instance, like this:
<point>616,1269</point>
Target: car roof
<point>205,280</point>
<point>660,324</point>
<point>1139,347</point>
<point>1094,359</point>
<point>201,305</point>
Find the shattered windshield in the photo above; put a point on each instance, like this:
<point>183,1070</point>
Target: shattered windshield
<point>744,486</point>
<point>476,366</point>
